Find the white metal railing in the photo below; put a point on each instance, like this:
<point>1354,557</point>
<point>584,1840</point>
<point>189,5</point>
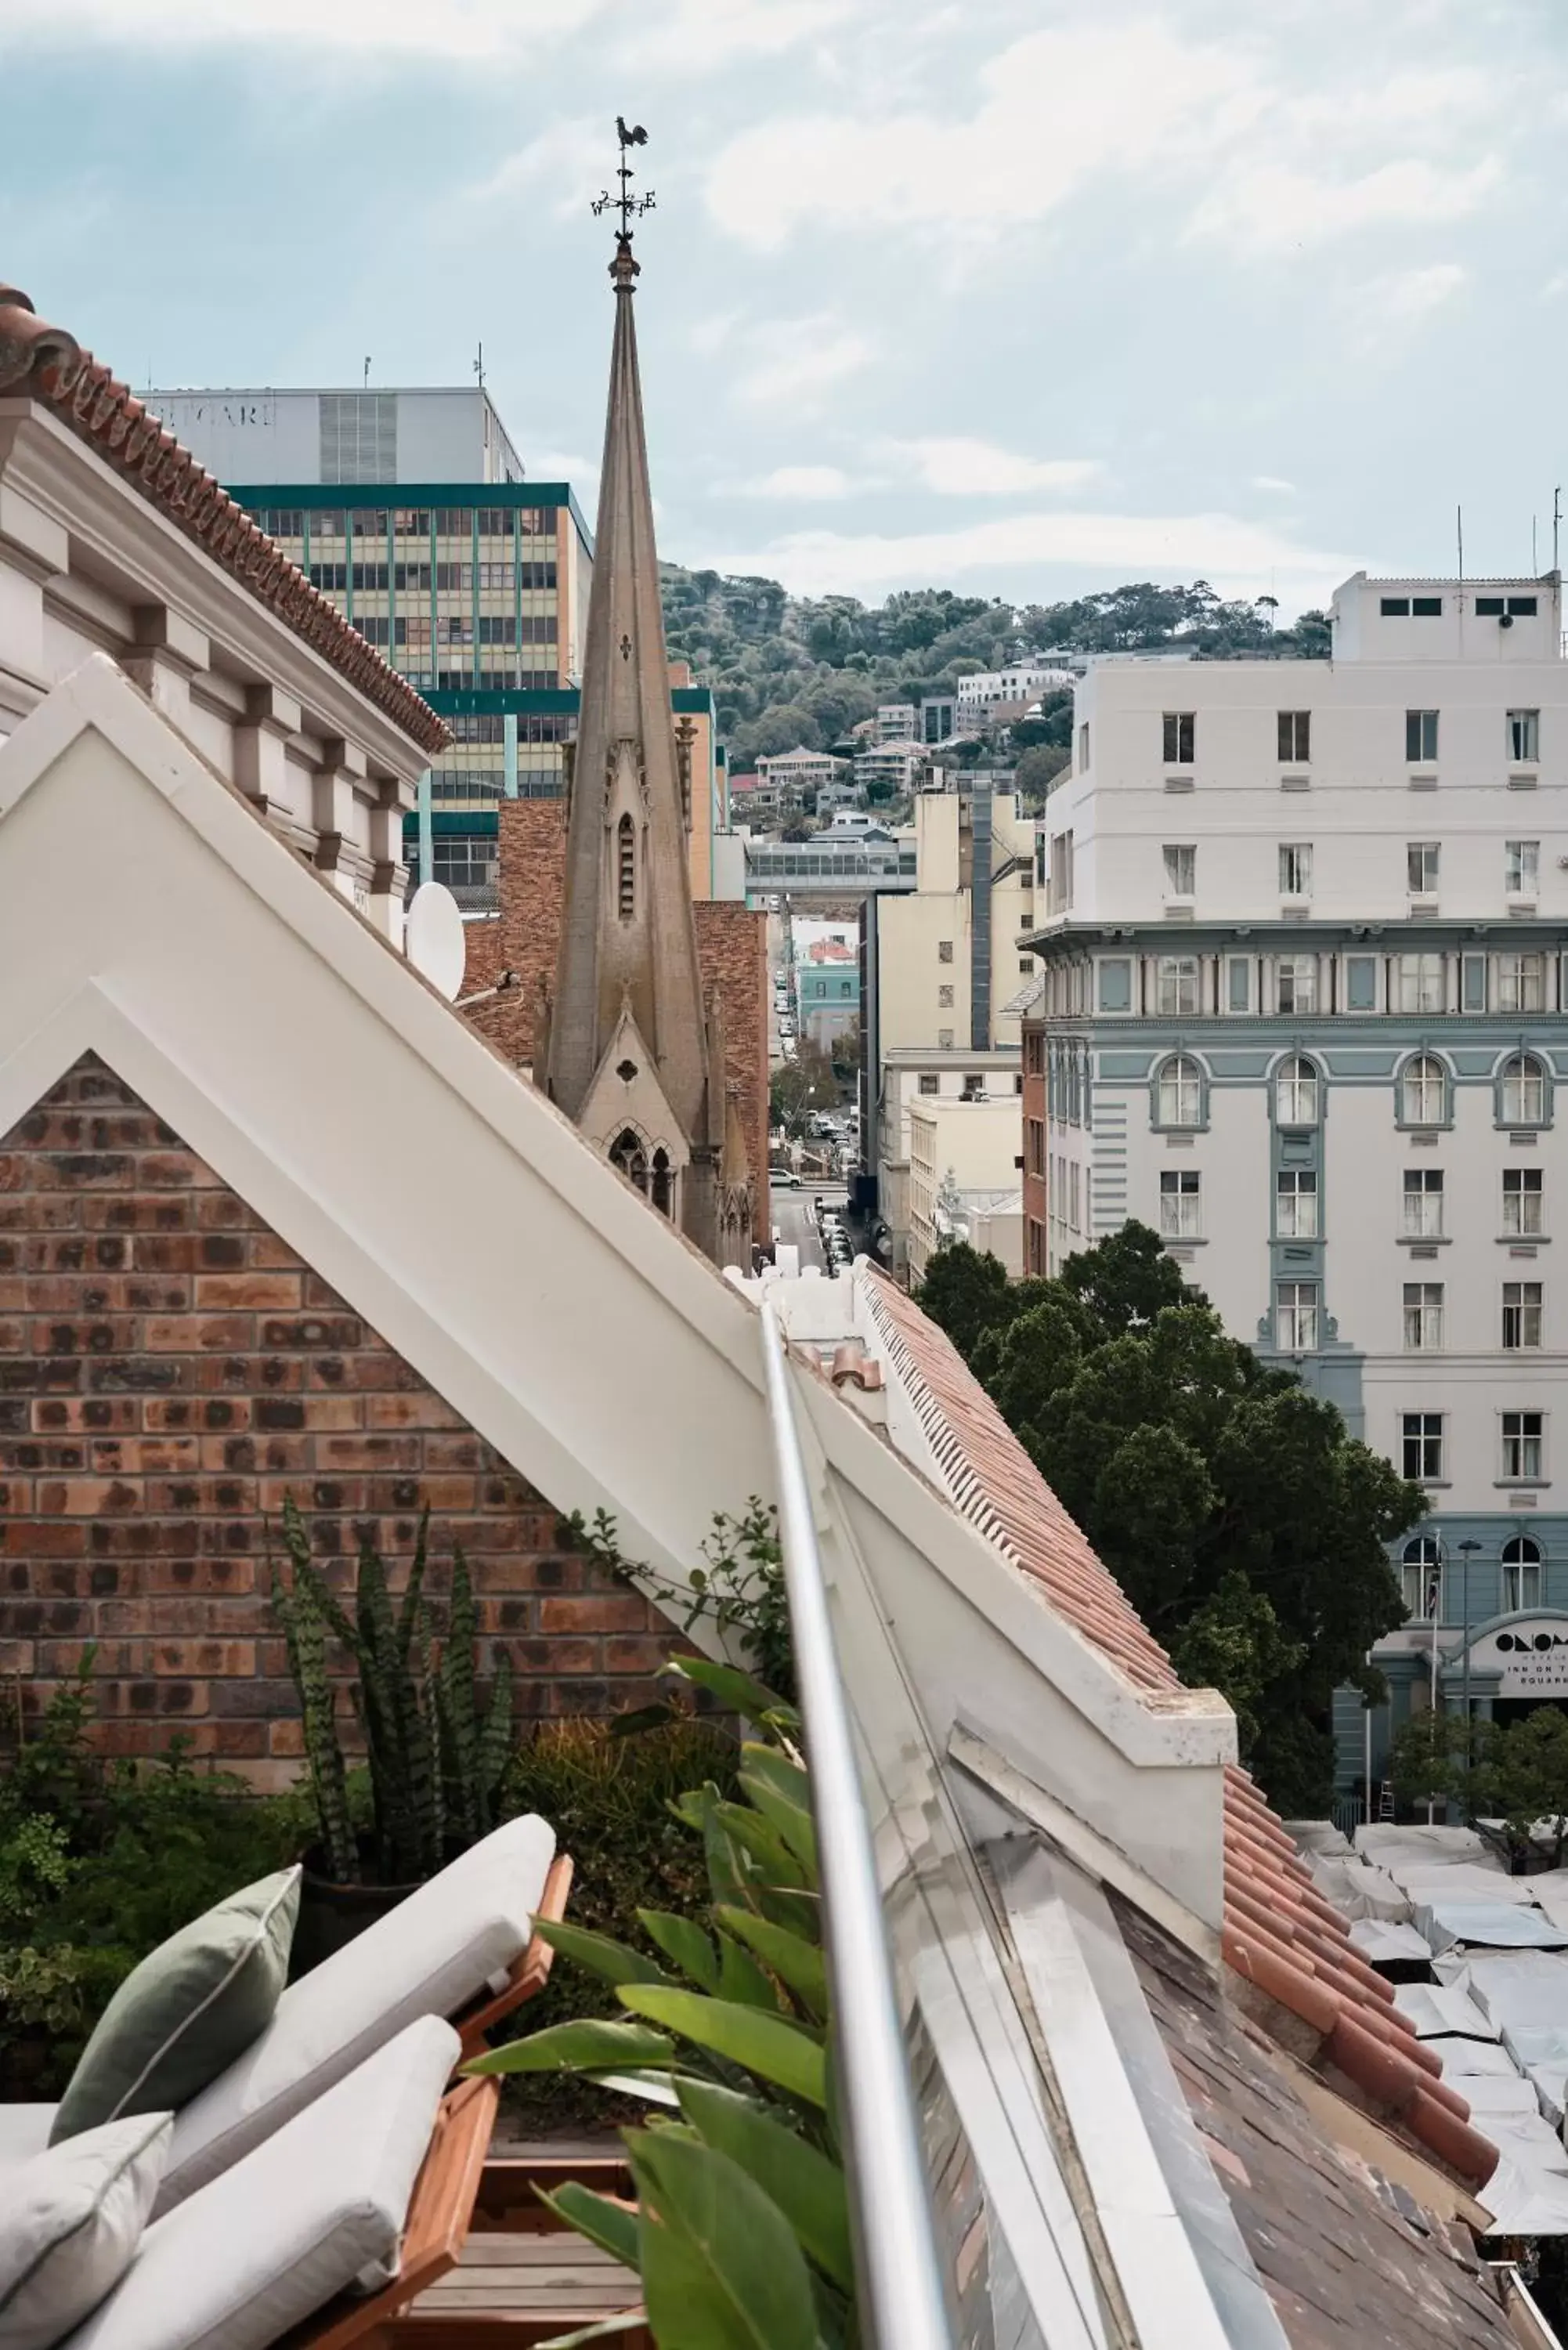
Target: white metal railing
<point>904,2306</point>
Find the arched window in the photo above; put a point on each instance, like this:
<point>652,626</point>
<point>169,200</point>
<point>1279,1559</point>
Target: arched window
<point>627,1153</point>
<point>1421,1576</point>
<point>626,868</point>
<point>1423,1092</point>
<point>1521,1091</point>
<point>1521,1573</point>
<point>663,1184</point>
<point>1296,1092</point>
<point>1179,1092</point>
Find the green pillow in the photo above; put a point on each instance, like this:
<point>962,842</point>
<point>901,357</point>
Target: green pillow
<point>183,2015</point>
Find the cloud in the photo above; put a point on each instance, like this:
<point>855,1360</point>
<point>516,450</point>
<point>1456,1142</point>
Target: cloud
<point>1415,293</point>
<point>1273,481</point>
<point>711,335</point>
<point>1267,208</point>
<point>800,482</point>
<point>700,36</point>
<point>962,468</point>
<point>793,362</point>
<point>1223,548</point>
<point>568,158</point>
<point>456,29</point>
<point>1056,110</point>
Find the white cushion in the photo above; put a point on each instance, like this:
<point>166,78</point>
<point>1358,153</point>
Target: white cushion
<point>73,2217</point>
<point>429,1956</point>
<point>295,2222</point>
<point>24,2132</point>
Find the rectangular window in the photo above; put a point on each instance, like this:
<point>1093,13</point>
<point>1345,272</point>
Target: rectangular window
<point>1523,1445</point>
<point>1180,869</point>
<point>1424,1202</point>
<point>1521,982</point>
<point>1521,1200</point>
<point>1176,984</point>
<point>1473,982</point>
<point>1296,983</point>
<point>1296,869</point>
<point>1489,608</point>
<point>931,1085</point>
<point>1522,607</point>
<point>1084,747</point>
<point>1394,608</point>
<point>1295,1317</point>
<point>1034,1144</point>
<point>1520,1314</point>
<point>1421,868</point>
<point>1361,982</point>
<point>1178,730</point>
<point>1295,736</point>
<point>1426,608</point>
<point>1522,868</point>
<point>1295,1204</point>
<point>1422,1316</point>
<point>1178,1203</point>
<point>944,950</point>
<point>1420,735</point>
<point>1421,1446</point>
<point>1115,984</point>
<point>944,999</point>
<point>1239,983</point>
<point>1420,980</point>
<point>1523,735</point>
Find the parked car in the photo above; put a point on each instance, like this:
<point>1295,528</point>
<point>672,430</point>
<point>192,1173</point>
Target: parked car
<point>784,1180</point>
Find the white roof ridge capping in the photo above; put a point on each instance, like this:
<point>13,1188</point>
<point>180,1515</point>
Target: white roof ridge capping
<point>465,1219</point>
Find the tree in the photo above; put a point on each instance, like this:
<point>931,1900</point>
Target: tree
<point>1517,1774</point>
<point>845,1054</point>
<point>1037,769</point>
<point>800,1088</point>
<point>1246,1527</point>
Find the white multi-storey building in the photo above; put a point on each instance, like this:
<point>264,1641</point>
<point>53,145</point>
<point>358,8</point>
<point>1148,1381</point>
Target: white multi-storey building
<point>994,697</point>
<point>1304,979</point>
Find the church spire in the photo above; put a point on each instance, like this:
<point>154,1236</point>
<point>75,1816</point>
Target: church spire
<point>628,1049</point>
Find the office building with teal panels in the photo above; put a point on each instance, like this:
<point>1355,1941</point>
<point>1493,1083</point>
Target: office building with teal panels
<point>1304,1009</point>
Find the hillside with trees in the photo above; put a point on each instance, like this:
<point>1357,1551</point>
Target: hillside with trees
<point>788,670</point>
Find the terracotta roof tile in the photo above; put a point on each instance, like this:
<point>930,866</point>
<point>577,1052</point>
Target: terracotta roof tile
<point>50,364</point>
<point>1278,1931</point>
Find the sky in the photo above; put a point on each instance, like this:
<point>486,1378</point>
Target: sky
<point>1022,297</point>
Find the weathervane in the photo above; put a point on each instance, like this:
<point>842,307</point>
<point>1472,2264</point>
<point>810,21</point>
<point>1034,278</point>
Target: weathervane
<point>628,205</point>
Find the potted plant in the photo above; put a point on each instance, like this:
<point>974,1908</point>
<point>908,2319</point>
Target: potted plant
<point>436,1758</point>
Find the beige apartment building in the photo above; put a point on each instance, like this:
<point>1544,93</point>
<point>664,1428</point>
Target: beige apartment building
<point>964,1178</point>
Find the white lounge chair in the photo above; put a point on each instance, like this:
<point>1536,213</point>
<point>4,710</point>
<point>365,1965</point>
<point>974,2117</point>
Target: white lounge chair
<point>461,1948</point>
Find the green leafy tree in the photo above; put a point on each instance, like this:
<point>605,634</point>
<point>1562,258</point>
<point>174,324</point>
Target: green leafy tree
<point>800,1088</point>
<point>1516,1774</point>
<point>1037,769</point>
<point>1247,1527</point>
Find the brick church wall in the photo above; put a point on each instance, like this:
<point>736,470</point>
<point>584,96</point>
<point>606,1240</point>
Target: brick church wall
<point>169,1369</point>
<point>731,948</point>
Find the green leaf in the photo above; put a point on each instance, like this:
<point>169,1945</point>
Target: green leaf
<point>720,2268</point>
<point>741,1979</point>
<point>808,2188</point>
<point>600,2330</point>
<point>610,2225</point>
<point>778,1789</point>
<point>682,1939</point>
<point>762,1841</point>
<point>613,1961</point>
<point>585,2045</point>
<point>736,1690</point>
<point>769,2045</point>
<point>798,1964</point>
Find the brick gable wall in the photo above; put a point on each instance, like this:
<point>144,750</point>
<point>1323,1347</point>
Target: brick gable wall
<point>731,947</point>
<point>169,1369</point>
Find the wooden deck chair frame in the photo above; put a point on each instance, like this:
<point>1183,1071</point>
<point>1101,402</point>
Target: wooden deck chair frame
<point>529,1974</point>
<point>458,2186</point>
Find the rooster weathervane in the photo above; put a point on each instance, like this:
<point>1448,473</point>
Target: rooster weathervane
<point>628,206</point>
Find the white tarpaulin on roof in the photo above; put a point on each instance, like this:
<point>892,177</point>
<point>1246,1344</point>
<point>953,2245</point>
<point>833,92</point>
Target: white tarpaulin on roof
<point>1503,2095</point>
<point>1465,1881</point>
<point>1383,1943</point>
<point>1320,1837</point>
<point>1465,2060</point>
<point>1529,2141</point>
<point>1489,1925</point>
<point>1549,2084</point>
<point>1525,2202</point>
<point>1435,2010</point>
<point>1385,1844</point>
<point>1357,1890</point>
<point>1517,1987</point>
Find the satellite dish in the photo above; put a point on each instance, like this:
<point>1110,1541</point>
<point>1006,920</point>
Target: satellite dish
<point>434,940</point>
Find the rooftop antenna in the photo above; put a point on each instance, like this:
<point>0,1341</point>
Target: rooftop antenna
<point>479,367</point>
<point>1534,566</point>
<point>367,374</point>
<point>1460,529</point>
<point>628,206</point>
<point>1556,518</point>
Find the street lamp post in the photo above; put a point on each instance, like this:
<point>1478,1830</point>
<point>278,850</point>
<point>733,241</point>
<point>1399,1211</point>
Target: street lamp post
<point>1468,1550</point>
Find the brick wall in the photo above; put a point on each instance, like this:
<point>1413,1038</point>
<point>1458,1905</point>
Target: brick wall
<point>731,948</point>
<point>169,1369</point>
